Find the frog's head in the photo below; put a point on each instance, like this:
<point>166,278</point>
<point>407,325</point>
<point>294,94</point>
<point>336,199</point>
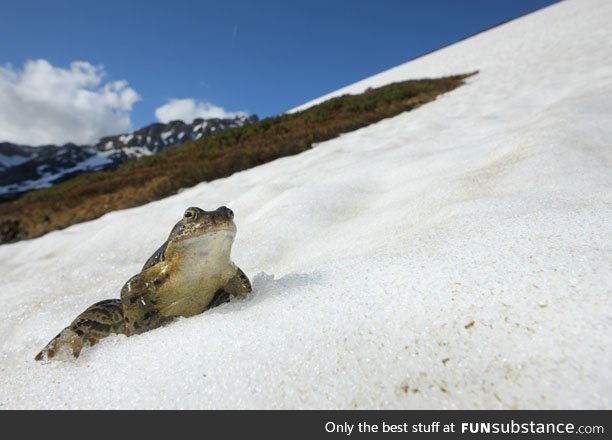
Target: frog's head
<point>203,231</point>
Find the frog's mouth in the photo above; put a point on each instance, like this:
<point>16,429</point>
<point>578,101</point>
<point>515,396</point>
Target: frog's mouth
<point>226,226</point>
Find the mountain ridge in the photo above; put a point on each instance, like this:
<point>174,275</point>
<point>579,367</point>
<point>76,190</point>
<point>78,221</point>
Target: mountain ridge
<point>24,168</point>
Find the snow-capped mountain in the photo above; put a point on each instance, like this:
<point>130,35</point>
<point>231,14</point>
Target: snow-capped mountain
<point>23,168</point>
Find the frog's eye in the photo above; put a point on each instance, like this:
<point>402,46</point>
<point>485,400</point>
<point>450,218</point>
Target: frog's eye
<point>190,214</point>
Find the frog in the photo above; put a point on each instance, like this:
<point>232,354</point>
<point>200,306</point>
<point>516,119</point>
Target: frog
<point>190,273</point>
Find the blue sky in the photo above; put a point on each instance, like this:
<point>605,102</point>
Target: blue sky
<point>262,57</point>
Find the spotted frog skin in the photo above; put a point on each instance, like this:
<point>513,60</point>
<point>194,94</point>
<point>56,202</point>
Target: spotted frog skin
<point>190,273</point>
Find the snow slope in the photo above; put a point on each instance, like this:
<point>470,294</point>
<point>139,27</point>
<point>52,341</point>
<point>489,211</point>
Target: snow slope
<point>456,256</point>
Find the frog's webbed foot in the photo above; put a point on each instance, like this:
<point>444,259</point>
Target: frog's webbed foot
<point>98,321</point>
<point>66,338</point>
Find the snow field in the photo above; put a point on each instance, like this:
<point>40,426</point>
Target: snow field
<point>455,256</point>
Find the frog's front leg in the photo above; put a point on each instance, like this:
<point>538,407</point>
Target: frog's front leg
<point>98,321</point>
<point>239,285</point>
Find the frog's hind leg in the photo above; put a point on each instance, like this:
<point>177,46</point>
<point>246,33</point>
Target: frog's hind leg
<point>98,321</point>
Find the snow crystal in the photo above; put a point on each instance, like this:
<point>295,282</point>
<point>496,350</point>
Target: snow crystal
<point>455,256</point>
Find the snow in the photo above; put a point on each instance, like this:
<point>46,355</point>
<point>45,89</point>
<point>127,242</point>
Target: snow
<point>456,256</point>
<point>91,163</point>
<point>165,135</point>
<point>11,161</point>
<point>137,151</point>
<point>46,179</point>
<point>126,138</point>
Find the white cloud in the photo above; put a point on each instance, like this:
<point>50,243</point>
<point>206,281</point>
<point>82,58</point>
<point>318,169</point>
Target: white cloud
<point>43,104</point>
<point>188,109</point>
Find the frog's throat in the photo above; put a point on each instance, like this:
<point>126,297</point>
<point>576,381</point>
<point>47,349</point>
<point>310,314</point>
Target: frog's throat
<point>210,249</point>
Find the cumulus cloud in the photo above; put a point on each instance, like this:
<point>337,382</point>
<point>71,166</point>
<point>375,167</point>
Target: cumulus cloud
<point>43,104</point>
<point>188,109</point>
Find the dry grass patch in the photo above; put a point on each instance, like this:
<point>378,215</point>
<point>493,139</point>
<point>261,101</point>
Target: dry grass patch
<point>90,195</point>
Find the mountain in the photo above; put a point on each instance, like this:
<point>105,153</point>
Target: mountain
<point>23,168</point>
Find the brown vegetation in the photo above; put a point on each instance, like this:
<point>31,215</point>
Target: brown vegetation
<point>91,195</point>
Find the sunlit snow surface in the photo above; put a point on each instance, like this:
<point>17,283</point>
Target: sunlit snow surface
<point>456,256</point>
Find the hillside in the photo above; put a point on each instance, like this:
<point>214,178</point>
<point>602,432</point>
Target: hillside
<point>90,195</point>
<point>456,256</point>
